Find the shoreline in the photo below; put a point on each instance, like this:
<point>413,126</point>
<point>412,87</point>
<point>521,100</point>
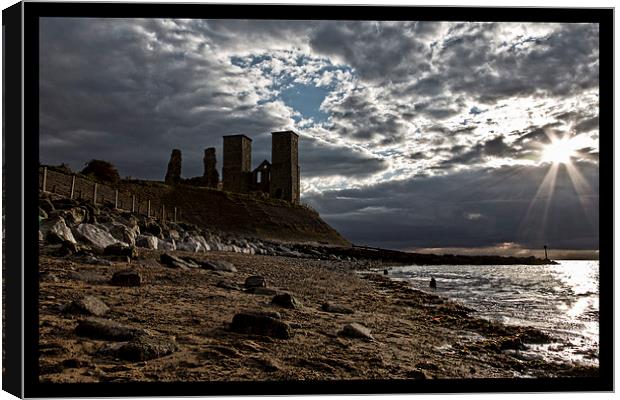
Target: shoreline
<point>413,334</point>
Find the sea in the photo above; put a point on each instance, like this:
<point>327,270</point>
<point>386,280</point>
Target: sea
<point>561,300</point>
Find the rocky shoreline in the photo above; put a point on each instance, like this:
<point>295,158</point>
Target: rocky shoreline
<point>222,308</point>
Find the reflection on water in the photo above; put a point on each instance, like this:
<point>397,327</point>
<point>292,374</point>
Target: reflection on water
<point>561,300</point>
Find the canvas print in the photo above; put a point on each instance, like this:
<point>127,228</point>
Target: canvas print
<point>301,200</point>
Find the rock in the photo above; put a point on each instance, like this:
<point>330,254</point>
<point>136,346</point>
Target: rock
<point>511,343</point>
<point>190,243</point>
<point>94,236</point>
<point>105,329</point>
<point>258,324</point>
<point>141,348</point>
<point>174,234</point>
<point>357,331</point>
<point>213,265</point>
<point>255,281</point>
<point>175,262</point>
<point>126,278</point>
<point>89,305</point>
<point>286,300</point>
<point>147,242</point>
<point>42,214</point>
<point>67,248</point>
<point>122,233</point>
<point>167,245</point>
<point>122,250</point>
<point>75,216</point>
<point>336,308</point>
<point>56,231</point>
<point>153,228</point>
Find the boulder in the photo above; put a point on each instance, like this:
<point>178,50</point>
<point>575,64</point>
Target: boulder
<point>89,305</point>
<point>126,277</point>
<point>141,348</point>
<point>94,236</point>
<point>336,308</point>
<point>255,281</point>
<point>223,266</point>
<point>56,231</point>
<point>122,250</point>
<point>357,331</point>
<point>175,262</point>
<point>153,228</point>
<point>259,324</point>
<point>167,245</point>
<point>76,215</point>
<point>122,233</point>
<point>286,300</point>
<point>148,242</point>
<point>104,329</point>
<point>67,248</point>
<point>42,214</point>
<point>190,243</point>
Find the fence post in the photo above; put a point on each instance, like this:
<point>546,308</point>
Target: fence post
<point>116,198</point>
<point>163,213</point>
<point>133,203</point>
<point>175,214</point>
<point>72,186</point>
<point>44,179</point>
<point>95,193</point>
<point>148,208</point>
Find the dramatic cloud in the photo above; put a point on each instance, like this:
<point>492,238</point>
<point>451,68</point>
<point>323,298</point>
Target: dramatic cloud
<point>401,123</point>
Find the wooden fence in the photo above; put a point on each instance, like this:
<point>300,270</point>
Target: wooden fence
<point>76,186</point>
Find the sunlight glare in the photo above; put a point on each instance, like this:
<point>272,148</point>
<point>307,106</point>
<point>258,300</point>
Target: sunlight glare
<point>559,151</point>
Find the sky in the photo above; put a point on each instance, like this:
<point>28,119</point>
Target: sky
<point>413,135</point>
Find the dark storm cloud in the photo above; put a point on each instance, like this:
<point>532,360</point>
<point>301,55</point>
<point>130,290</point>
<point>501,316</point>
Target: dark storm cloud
<point>129,91</point>
<point>436,211</point>
<point>377,50</point>
<point>321,159</point>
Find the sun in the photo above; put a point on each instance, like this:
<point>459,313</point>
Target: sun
<point>559,151</point>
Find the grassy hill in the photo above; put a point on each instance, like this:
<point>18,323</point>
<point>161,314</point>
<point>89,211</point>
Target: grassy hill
<point>247,215</point>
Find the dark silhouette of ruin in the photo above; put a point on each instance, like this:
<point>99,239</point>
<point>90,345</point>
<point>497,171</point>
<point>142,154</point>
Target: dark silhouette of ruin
<point>277,179</point>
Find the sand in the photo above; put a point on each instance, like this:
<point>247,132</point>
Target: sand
<point>416,335</point>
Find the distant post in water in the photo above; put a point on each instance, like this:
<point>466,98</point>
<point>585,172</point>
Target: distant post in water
<point>72,186</point>
<point>44,179</point>
<point>133,203</point>
<point>95,193</point>
<point>546,258</point>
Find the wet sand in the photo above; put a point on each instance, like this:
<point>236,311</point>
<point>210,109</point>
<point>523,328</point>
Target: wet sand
<point>416,335</point>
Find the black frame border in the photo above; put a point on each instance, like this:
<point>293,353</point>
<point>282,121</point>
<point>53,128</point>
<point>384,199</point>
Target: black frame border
<point>33,11</point>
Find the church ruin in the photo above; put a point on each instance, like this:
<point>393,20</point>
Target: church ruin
<point>277,179</point>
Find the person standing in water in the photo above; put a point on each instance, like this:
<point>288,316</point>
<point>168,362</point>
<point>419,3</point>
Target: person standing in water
<point>433,284</point>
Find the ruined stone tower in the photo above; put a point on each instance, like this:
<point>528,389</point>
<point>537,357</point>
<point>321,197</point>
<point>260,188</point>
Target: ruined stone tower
<point>173,174</point>
<point>236,172</point>
<point>210,177</point>
<point>284,166</point>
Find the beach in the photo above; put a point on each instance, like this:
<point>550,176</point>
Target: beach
<point>180,324</point>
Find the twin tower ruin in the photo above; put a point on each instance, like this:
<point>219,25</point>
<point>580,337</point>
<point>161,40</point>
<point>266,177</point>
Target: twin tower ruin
<point>278,179</point>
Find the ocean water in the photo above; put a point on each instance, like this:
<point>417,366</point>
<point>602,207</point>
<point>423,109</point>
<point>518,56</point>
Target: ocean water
<point>561,300</point>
